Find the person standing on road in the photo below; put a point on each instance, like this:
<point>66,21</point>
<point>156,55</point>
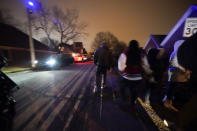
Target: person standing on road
<point>132,63</point>
<point>103,61</point>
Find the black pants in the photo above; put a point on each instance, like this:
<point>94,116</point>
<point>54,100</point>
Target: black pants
<point>132,85</point>
<point>100,71</point>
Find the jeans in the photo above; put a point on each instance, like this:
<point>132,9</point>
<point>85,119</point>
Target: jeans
<point>132,85</point>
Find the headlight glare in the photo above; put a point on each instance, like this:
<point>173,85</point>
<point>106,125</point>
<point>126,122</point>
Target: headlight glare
<point>51,62</point>
<point>35,62</point>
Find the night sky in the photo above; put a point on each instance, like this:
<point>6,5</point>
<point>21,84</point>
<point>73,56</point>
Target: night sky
<point>126,19</point>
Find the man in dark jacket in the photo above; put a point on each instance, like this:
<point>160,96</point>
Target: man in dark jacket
<point>103,61</point>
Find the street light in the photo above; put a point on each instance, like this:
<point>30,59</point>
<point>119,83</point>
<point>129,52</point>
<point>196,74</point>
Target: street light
<point>30,3</point>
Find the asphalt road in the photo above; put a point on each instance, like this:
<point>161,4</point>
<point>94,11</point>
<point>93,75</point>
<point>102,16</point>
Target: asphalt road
<point>63,100</point>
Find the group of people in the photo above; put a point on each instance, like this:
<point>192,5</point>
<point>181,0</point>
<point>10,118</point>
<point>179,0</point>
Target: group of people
<point>134,65</point>
<point>137,66</point>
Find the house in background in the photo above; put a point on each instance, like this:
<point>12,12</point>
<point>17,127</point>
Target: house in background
<point>183,29</point>
<point>14,45</point>
<point>78,47</point>
<point>153,41</point>
<point>65,48</point>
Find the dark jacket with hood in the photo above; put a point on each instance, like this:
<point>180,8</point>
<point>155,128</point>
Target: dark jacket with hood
<point>103,57</point>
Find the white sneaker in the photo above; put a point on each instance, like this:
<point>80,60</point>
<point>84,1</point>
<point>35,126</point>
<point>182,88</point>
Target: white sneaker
<point>95,89</point>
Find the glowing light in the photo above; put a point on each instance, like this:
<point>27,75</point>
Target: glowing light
<point>31,3</point>
<point>51,62</point>
<point>84,58</point>
<point>35,62</point>
<point>79,58</point>
<point>73,54</point>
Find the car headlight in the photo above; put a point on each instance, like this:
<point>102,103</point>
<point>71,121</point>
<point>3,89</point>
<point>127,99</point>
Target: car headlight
<point>51,62</point>
<point>35,62</point>
<point>84,58</point>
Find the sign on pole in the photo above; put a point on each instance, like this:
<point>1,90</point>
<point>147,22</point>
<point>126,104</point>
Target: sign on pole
<point>190,27</point>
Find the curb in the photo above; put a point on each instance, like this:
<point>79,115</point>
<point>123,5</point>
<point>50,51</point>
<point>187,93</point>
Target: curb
<point>149,113</point>
<point>17,71</point>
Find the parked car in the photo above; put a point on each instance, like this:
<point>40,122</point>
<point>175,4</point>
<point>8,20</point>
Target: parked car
<point>55,60</point>
<point>79,57</point>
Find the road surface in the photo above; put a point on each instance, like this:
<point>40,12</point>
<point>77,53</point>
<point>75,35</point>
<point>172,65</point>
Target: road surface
<point>63,100</point>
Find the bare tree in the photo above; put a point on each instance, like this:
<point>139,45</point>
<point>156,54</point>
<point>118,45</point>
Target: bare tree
<point>53,42</point>
<point>107,37</point>
<point>119,48</point>
<point>67,24</point>
<point>114,44</point>
<point>42,21</point>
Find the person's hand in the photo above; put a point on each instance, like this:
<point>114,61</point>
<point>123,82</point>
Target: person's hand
<point>188,74</point>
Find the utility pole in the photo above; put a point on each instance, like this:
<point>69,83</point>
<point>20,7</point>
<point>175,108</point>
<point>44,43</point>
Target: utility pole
<point>30,7</point>
<point>31,43</point>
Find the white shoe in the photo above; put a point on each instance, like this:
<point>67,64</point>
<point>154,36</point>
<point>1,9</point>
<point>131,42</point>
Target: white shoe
<point>95,89</point>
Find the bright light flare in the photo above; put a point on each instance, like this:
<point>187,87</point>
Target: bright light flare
<point>51,62</point>
<point>35,62</point>
<point>85,58</point>
<point>73,54</point>
<point>30,3</point>
<point>79,58</point>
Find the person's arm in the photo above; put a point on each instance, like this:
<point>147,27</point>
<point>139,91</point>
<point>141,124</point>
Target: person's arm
<point>122,62</point>
<point>147,69</point>
<point>175,63</point>
<point>146,66</point>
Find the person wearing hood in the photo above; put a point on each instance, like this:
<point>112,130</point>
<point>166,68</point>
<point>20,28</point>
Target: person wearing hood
<point>103,61</point>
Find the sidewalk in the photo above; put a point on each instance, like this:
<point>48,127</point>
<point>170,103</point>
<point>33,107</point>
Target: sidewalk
<point>155,113</point>
<point>15,69</point>
<point>148,114</point>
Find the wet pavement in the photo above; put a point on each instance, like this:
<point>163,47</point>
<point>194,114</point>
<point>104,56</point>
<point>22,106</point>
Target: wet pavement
<point>63,100</point>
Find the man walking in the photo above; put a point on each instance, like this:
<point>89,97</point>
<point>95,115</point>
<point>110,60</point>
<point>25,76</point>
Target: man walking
<point>103,61</point>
